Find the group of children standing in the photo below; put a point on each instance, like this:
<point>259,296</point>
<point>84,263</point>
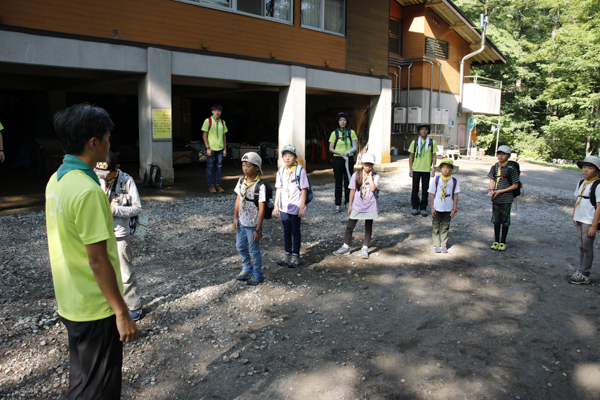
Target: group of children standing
<point>363,192</point>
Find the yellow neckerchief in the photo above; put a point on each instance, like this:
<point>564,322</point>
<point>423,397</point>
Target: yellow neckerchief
<point>246,186</point>
<point>288,181</point>
<point>363,187</point>
<point>499,174</point>
<point>109,184</point>
<point>583,189</point>
<point>445,182</point>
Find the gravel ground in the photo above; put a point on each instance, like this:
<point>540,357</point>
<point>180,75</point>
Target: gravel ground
<point>405,324</point>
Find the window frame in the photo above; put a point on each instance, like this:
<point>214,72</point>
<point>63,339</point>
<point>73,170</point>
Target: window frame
<point>322,20</point>
<point>233,9</point>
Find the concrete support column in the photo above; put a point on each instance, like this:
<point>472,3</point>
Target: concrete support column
<point>380,123</point>
<point>292,110</point>
<point>154,92</point>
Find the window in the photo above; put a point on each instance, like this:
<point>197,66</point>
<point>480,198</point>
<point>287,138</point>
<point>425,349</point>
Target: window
<point>326,15</point>
<point>395,41</point>
<point>275,9</point>
<point>436,48</point>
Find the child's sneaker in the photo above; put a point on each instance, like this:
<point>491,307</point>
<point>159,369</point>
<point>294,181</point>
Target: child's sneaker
<point>437,249</point>
<point>255,279</point>
<point>414,211</point>
<point>501,246</point>
<point>337,209</point>
<point>364,253</point>
<point>423,213</point>
<point>443,249</point>
<point>342,250</point>
<point>242,276</point>
<point>294,261</point>
<point>495,246</point>
<point>285,260</point>
<point>578,278</point>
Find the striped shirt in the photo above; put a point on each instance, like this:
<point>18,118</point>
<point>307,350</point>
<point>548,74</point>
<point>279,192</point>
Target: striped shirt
<point>507,197</point>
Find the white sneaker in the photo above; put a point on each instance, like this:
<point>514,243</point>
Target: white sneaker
<point>364,253</point>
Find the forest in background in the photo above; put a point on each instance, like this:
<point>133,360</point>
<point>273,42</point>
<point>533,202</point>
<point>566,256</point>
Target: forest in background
<point>550,96</point>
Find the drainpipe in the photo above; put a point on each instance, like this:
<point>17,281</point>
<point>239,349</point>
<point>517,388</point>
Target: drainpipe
<point>484,23</point>
<point>395,99</point>
<point>407,99</point>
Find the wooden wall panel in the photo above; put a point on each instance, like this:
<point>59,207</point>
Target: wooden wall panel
<point>367,35</point>
<point>172,23</point>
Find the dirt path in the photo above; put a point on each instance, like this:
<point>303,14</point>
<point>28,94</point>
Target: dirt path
<point>407,323</point>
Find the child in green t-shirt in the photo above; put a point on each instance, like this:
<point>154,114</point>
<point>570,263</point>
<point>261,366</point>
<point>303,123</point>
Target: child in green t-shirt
<point>342,143</point>
<point>213,134</point>
<point>421,161</point>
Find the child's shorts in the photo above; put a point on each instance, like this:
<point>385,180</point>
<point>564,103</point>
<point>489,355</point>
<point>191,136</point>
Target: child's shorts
<point>501,214</point>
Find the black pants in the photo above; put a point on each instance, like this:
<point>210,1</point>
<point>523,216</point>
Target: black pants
<point>423,178</point>
<point>96,355</point>
<point>340,174</point>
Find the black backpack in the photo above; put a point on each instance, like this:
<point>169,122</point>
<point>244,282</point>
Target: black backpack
<point>153,177</point>
<point>515,165</point>
<point>268,196</point>
<point>309,191</point>
<point>592,195</point>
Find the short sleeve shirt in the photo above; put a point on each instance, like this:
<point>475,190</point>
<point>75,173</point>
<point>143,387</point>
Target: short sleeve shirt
<point>78,214</point>
<point>248,212</point>
<point>215,133</point>
<point>422,162</point>
<point>290,196</point>
<point>367,202</point>
<point>584,212</point>
<point>344,142</point>
<point>507,197</point>
<point>446,204</point>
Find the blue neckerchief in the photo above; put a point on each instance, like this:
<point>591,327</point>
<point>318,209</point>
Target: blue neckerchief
<point>71,163</point>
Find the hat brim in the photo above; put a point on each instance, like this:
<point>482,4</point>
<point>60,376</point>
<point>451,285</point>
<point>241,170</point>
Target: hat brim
<point>581,164</point>
<point>438,168</point>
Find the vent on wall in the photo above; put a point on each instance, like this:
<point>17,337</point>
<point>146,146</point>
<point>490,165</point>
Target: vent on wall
<point>395,42</point>
<point>436,48</point>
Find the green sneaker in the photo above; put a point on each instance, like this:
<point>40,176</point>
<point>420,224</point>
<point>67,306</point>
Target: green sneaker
<point>242,276</point>
<point>495,246</point>
<point>294,261</point>
<point>255,279</point>
<point>285,260</point>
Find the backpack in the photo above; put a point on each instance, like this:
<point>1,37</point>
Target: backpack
<point>437,180</point>
<point>592,195</point>
<point>430,140</point>
<point>517,167</point>
<point>268,196</point>
<point>309,191</point>
<point>210,122</point>
<point>153,176</point>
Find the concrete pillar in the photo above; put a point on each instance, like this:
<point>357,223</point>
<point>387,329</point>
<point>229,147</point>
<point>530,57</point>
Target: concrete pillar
<point>380,123</point>
<point>154,92</point>
<point>292,110</point>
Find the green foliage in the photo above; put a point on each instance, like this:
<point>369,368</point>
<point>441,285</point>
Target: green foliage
<point>551,82</point>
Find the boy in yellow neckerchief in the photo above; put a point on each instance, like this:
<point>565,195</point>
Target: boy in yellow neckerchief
<point>443,193</point>
<point>501,193</point>
<point>586,215</point>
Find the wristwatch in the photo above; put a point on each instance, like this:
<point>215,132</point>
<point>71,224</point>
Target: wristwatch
<point>259,232</point>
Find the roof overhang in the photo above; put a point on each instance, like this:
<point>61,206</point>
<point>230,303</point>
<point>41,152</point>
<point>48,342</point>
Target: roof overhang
<point>459,22</point>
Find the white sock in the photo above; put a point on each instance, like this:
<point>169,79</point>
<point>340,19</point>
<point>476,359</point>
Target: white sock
<point>365,247</point>
<point>345,246</point>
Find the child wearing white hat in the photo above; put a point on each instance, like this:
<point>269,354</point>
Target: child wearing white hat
<point>363,204</point>
<point>443,192</point>
<point>504,179</point>
<point>586,215</point>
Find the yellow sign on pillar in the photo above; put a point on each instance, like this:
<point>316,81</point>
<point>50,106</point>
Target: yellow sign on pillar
<point>161,124</point>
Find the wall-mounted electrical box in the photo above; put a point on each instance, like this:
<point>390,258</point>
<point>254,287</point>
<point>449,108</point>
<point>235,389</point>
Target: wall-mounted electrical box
<point>414,115</point>
<point>400,115</point>
<point>436,116</point>
<point>445,117</point>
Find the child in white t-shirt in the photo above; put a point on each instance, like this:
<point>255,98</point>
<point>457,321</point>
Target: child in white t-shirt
<point>586,216</point>
<point>443,193</point>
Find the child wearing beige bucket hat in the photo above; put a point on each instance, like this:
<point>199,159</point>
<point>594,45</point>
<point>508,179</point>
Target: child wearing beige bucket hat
<point>586,215</point>
<point>443,193</point>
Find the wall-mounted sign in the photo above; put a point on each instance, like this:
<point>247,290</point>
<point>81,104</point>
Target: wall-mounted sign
<point>161,124</point>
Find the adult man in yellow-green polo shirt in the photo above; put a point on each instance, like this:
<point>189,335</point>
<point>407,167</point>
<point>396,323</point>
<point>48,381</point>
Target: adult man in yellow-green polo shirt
<point>213,134</point>
<point>84,257</point>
